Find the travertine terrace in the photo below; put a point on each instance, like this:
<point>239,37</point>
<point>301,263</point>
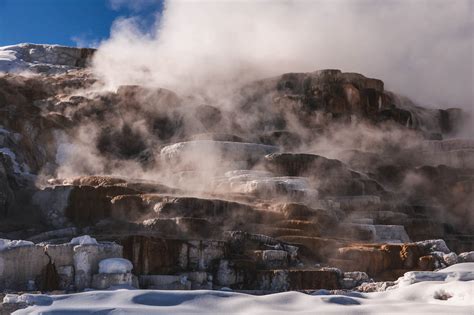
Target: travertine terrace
<point>320,180</point>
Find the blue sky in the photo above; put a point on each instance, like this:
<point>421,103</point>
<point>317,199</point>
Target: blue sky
<point>67,22</point>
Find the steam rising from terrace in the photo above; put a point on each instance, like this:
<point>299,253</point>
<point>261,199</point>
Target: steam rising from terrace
<point>221,99</point>
<point>212,150</point>
<point>420,48</point>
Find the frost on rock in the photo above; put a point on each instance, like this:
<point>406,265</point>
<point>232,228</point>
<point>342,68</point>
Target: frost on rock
<point>43,58</point>
<point>35,299</point>
<point>450,259</point>
<point>11,298</point>
<point>115,265</point>
<point>83,240</point>
<point>457,272</point>
<point>30,299</point>
<point>466,257</point>
<point>8,244</point>
<point>434,246</point>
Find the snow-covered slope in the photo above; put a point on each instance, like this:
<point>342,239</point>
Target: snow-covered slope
<point>427,297</point>
<point>42,58</point>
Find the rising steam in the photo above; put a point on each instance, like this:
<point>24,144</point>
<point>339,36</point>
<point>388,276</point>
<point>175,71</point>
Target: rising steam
<point>423,49</point>
<point>198,56</point>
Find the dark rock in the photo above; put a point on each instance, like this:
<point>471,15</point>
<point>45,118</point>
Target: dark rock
<point>152,255</point>
<point>299,164</point>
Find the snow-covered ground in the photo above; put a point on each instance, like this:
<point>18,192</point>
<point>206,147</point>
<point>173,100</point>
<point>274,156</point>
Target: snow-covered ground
<point>38,58</point>
<point>451,296</point>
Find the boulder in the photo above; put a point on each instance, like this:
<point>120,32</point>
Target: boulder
<point>466,257</point>
<point>83,240</point>
<point>115,265</point>
<point>450,259</point>
<point>434,245</point>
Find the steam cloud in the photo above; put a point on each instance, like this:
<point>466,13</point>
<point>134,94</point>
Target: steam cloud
<point>423,49</point>
<point>207,50</point>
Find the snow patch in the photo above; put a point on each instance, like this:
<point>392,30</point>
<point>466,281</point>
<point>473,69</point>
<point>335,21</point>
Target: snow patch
<point>446,296</point>
<point>11,298</point>
<point>463,267</point>
<point>421,298</point>
<point>40,58</point>
<point>8,244</point>
<point>435,246</point>
<point>115,265</point>
<point>466,257</point>
<point>30,299</point>
<point>83,240</point>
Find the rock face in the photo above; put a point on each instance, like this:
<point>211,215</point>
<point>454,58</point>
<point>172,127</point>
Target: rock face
<point>75,264</point>
<point>320,180</point>
<point>164,256</point>
<point>384,262</point>
<point>329,95</point>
